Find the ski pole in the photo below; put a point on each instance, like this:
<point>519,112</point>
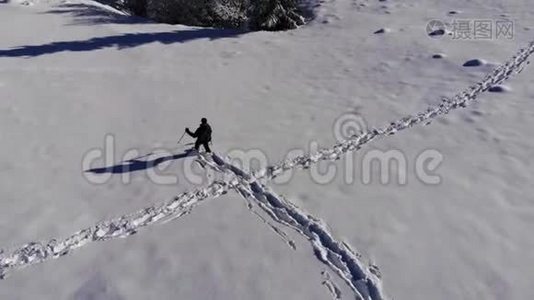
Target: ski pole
<point>181,138</point>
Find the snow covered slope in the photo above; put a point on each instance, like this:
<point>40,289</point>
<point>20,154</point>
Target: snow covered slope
<point>72,72</point>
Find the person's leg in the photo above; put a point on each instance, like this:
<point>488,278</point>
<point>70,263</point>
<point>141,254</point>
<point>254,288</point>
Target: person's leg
<point>207,147</point>
<point>197,145</point>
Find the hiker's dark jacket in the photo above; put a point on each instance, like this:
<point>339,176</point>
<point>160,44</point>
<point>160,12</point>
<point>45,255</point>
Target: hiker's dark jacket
<point>203,133</point>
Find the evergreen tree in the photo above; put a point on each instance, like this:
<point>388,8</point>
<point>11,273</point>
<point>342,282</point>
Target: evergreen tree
<point>249,14</point>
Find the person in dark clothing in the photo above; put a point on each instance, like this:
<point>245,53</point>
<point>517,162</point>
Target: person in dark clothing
<point>202,134</point>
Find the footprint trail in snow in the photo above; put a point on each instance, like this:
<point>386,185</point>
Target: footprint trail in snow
<point>337,256</point>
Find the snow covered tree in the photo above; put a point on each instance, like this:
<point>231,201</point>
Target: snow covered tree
<point>137,7</point>
<point>274,15</point>
<point>250,14</point>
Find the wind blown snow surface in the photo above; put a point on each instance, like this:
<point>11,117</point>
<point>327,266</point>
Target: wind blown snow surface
<point>73,77</point>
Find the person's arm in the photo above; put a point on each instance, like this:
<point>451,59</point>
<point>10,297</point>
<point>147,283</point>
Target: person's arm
<point>190,133</point>
<point>198,132</point>
<point>195,134</point>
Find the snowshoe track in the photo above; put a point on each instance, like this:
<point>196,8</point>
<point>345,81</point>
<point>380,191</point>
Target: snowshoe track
<point>499,75</point>
<point>336,255</point>
<point>37,252</point>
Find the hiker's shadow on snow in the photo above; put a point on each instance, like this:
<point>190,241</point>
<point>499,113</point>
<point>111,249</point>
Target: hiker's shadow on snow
<point>136,164</point>
<point>123,41</point>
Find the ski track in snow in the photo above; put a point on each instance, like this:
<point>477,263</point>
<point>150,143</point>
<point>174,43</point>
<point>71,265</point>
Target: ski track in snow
<point>338,256</point>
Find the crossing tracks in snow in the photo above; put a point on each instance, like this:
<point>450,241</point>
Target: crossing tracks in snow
<point>338,256</point>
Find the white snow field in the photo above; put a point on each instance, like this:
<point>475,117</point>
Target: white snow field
<point>74,72</point>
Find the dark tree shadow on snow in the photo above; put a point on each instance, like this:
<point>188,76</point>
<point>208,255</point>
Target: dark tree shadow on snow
<point>137,164</point>
<point>123,41</point>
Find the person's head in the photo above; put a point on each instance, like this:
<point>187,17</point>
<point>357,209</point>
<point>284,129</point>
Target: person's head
<point>204,121</point>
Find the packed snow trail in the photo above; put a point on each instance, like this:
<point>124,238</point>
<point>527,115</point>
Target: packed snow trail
<point>499,75</point>
<point>336,255</point>
<point>36,252</point>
